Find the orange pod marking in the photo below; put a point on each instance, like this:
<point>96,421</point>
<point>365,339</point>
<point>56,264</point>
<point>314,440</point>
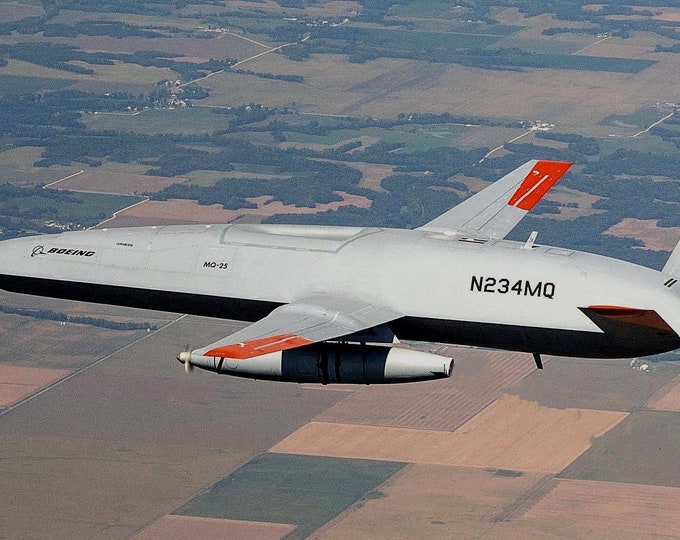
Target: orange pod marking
<point>256,347</point>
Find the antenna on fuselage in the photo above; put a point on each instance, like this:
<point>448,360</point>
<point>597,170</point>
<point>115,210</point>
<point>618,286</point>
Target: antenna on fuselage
<point>529,244</point>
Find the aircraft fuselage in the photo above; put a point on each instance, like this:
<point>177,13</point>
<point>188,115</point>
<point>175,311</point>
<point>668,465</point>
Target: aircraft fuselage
<point>450,288</point>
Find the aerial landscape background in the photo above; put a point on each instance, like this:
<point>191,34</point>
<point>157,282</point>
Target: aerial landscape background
<point>378,113</point>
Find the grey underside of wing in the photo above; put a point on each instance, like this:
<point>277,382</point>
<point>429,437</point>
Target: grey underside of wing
<point>486,213</point>
<point>315,319</point>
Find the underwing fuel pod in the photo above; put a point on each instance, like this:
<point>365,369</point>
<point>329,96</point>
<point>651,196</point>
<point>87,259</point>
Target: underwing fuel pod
<point>330,363</point>
<point>327,304</point>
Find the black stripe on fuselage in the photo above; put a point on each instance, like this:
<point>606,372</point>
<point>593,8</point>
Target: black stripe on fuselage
<point>153,299</point>
<point>616,340</point>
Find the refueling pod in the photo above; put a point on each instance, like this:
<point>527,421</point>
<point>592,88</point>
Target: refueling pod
<point>331,363</point>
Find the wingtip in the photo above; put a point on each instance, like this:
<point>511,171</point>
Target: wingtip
<point>543,175</point>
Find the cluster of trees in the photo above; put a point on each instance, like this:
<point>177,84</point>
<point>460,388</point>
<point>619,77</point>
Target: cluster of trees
<point>668,133</point>
<point>59,56</point>
<point>151,7</point>
<point>53,120</point>
<point>248,115</point>
<point>635,163</point>
<point>11,227</point>
<point>92,321</point>
<point>266,75</point>
<point>601,19</point>
<point>117,29</point>
<point>362,45</point>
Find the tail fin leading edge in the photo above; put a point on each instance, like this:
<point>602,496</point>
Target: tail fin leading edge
<point>672,266</point>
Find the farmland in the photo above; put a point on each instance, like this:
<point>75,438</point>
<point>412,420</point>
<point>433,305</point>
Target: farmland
<point>343,112</point>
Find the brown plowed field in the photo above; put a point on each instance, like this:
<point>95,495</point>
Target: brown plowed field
<point>18,382</point>
<point>215,213</point>
<point>181,527</point>
<point>586,509</point>
<point>432,501</point>
<point>451,502</point>
<point>509,434</point>
<point>479,377</point>
<point>654,237</point>
<point>668,397</point>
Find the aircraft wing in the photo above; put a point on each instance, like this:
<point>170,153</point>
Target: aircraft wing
<point>494,211</point>
<point>301,323</point>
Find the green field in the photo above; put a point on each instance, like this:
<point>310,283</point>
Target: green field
<point>189,120</point>
<point>283,488</point>
<point>15,85</point>
<point>642,449</point>
<point>84,209</point>
<point>413,137</point>
<point>642,118</point>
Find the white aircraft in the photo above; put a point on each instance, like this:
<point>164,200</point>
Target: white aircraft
<point>327,303</point>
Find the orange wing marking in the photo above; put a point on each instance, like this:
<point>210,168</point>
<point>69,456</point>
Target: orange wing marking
<point>256,347</point>
<point>537,183</point>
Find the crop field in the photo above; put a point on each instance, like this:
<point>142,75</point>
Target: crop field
<point>640,450</point>
<point>667,398</point>
<point>191,49</point>
<point>600,509</point>
<point>16,166</point>
<point>434,501</point>
<point>654,237</point>
<point>353,87</point>
<point>18,382</point>
<point>112,182</point>
<point>19,85</point>
<point>85,208</point>
<point>387,87</point>
<point>599,384</point>
<point>38,343</point>
<point>187,210</point>
<point>13,11</point>
<point>132,438</point>
<point>66,16</point>
<point>479,377</point>
<point>509,434</point>
<point>191,120</point>
<point>174,527</point>
<point>113,509</point>
<point>305,490</point>
<point>209,178</point>
<point>114,74</point>
<point>414,138</point>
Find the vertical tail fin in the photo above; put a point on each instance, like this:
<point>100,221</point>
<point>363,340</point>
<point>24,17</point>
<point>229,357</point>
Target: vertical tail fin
<point>672,266</point>
<point>494,211</point>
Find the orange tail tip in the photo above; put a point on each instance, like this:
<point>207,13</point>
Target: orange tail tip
<point>537,183</point>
